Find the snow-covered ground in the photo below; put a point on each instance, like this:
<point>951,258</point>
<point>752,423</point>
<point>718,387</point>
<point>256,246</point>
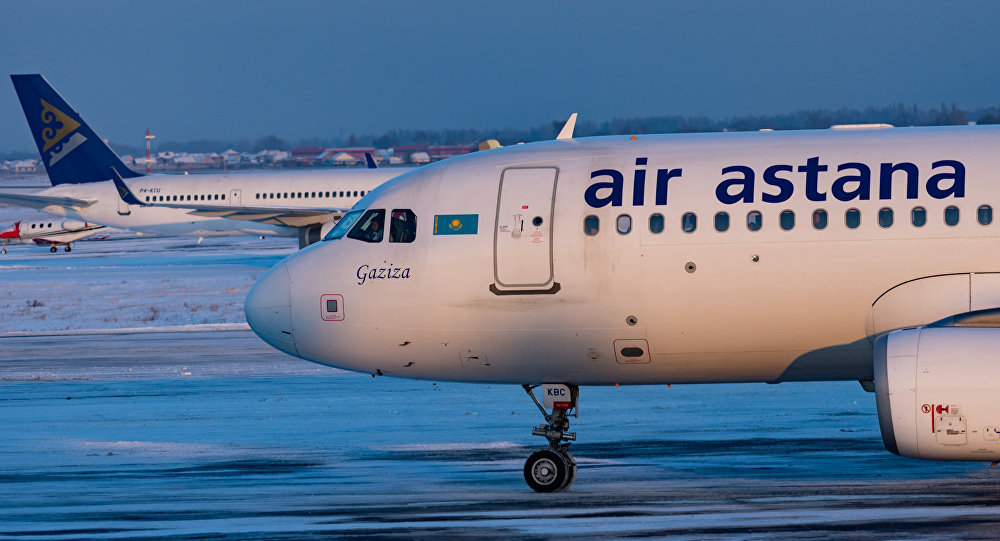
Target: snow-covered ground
<point>127,281</point>
<point>210,433</point>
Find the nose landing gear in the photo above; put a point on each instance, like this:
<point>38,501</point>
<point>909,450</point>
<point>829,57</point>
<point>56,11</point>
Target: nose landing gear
<point>553,469</point>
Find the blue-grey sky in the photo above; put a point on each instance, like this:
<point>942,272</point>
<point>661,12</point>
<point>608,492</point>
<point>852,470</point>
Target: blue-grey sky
<point>228,70</point>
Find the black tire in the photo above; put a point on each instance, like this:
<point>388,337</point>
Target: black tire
<point>68,248</point>
<point>572,472</point>
<point>53,248</point>
<point>546,471</point>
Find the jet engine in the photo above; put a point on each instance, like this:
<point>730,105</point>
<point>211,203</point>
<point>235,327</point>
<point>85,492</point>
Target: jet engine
<point>938,389</point>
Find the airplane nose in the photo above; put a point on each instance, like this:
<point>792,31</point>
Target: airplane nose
<point>268,308</point>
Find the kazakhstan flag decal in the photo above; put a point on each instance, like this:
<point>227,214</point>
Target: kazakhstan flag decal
<point>456,224</point>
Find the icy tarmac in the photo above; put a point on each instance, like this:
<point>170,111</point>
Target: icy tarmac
<point>212,434</point>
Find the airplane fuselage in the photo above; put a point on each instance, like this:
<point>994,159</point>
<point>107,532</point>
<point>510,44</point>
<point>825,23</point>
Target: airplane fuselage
<point>314,188</point>
<point>667,290</point>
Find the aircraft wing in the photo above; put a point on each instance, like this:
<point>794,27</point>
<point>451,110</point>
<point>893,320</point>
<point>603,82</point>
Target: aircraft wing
<point>40,202</point>
<point>290,216</point>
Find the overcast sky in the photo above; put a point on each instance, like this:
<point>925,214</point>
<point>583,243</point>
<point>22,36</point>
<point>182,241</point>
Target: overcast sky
<point>228,70</point>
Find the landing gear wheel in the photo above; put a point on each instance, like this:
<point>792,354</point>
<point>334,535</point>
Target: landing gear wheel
<point>53,249</point>
<point>68,248</point>
<point>572,471</point>
<point>548,471</point>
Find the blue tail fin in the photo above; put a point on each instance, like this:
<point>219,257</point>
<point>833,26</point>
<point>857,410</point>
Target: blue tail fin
<point>71,151</point>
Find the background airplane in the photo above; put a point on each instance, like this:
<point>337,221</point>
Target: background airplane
<point>774,257</point>
<point>52,233</point>
<point>80,164</point>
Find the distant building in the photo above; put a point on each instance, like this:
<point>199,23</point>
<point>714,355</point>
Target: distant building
<point>306,155</point>
<point>426,153</point>
<point>22,166</point>
<point>441,152</point>
<point>405,151</point>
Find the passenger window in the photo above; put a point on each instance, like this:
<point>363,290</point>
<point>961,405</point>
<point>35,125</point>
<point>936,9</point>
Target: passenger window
<point>370,227</point>
<point>402,226</point>
<point>985,215</point>
<point>786,220</point>
<point>885,217</point>
<point>362,193</point>
<point>223,196</point>
<point>721,221</point>
<point>258,196</point>
<point>591,225</point>
<point>918,216</point>
<point>689,222</point>
<point>951,216</point>
<point>656,223</point>
<point>754,220</point>
<point>852,218</point>
<point>624,224</point>
<point>341,194</point>
<point>355,194</point>
<point>819,219</point>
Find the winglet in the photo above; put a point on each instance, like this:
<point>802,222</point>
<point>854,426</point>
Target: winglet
<point>370,160</point>
<point>567,130</point>
<point>123,190</point>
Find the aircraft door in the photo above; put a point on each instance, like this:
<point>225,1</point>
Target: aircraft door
<point>522,238</point>
<point>234,197</point>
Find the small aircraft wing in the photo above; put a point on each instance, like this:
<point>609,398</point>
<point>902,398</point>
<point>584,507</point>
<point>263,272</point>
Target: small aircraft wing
<point>290,216</point>
<point>40,202</point>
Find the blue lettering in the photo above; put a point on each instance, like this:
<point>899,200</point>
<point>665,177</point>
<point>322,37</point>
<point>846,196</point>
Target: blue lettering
<point>745,194</point>
<point>957,177</point>
<point>663,176</point>
<point>885,179</point>
<point>812,169</point>
<point>863,178</point>
<point>784,186</point>
<point>639,183</point>
<point>367,273</point>
<point>615,197</point>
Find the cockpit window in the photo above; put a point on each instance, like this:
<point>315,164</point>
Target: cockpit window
<point>402,226</point>
<point>370,227</point>
<point>344,225</point>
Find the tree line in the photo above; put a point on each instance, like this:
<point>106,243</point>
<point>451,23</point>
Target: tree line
<point>897,115</point>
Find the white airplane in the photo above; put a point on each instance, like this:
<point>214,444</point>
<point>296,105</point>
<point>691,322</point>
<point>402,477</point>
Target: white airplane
<point>81,167</point>
<point>52,233</point>
<point>866,255</point>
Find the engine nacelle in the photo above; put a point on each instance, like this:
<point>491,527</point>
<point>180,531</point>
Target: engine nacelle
<point>938,392</point>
